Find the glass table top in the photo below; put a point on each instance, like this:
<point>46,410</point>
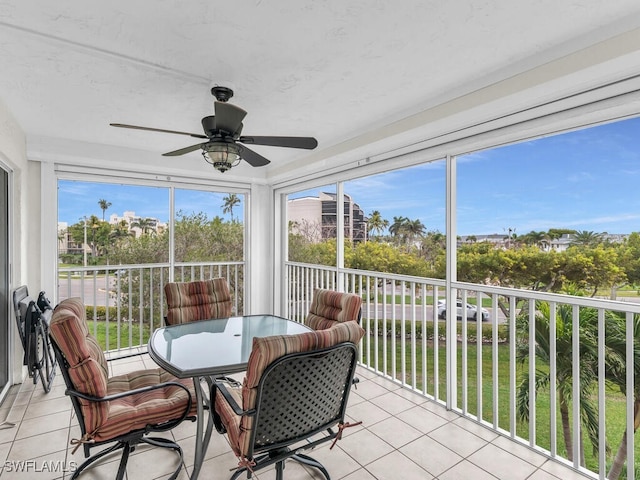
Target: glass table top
<point>214,347</point>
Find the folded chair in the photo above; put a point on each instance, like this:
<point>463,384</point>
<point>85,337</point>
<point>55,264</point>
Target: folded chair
<point>329,308</point>
<point>33,317</point>
<point>296,387</point>
<point>199,300</point>
<point>120,410</point>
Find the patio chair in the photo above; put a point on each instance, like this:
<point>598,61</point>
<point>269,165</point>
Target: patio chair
<point>199,300</point>
<point>329,308</point>
<point>119,410</point>
<point>33,317</point>
<point>296,387</point>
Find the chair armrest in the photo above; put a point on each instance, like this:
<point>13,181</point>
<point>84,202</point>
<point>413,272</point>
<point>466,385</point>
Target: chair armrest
<point>128,393</point>
<point>219,385</point>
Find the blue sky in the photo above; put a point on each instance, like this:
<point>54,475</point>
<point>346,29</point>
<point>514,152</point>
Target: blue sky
<point>585,180</point>
<point>76,199</point>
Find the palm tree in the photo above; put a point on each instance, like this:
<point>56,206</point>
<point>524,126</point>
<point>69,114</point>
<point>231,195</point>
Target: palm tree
<point>144,224</point>
<point>616,371</point>
<point>230,201</point>
<point>586,238</point>
<point>539,239</point>
<point>399,228</point>
<point>120,231</point>
<point>94,225</point>
<point>104,205</point>
<point>564,367</point>
<point>376,223</point>
<point>415,228</point>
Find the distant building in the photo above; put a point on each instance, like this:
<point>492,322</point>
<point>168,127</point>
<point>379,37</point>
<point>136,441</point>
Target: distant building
<point>315,218</point>
<point>560,244</point>
<point>66,245</point>
<point>494,238</point>
<point>134,222</point>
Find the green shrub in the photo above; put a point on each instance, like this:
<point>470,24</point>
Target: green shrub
<point>487,330</point>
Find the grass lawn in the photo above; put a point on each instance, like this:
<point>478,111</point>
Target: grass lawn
<point>614,405</point>
<point>128,334</point>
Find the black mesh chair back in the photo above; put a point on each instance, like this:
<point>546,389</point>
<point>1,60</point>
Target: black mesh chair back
<point>299,396</point>
<point>303,394</point>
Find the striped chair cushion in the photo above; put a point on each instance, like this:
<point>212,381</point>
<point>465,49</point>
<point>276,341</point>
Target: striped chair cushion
<point>135,412</point>
<point>264,351</point>
<point>201,300</point>
<point>87,364</point>
<point>89,374</point>
<point>329,307</point>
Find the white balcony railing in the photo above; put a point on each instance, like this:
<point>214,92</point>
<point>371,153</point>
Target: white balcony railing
<point>498,382</point>
<point>520,377</point>
<point>126,303</point>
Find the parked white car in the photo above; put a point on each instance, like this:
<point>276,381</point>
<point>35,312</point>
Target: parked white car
<point>469,309</point>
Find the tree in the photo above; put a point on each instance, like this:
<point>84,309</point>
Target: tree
<point>230,201</point>
<point>93,224</point>
<point>382,257</point>
<point>398,229</point>
<point>405,230</point>
<point>199,239</point>
<point>539,239</point>
<point>564,366</point>
<point>593,267</point>
<point>144,224</point>
<point>415,229</point>
<point>555,233</point>
<point>104,206</point>
<point>586,238</point>
<point>120,232</point>
<point>433,249</point>
<point>616,372</point>
<point>629,258</point>
<point>376,223</point>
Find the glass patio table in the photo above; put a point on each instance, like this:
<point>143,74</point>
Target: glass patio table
<point>209,348</point>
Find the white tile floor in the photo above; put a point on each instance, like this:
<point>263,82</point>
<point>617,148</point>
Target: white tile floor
<point>403,436</point>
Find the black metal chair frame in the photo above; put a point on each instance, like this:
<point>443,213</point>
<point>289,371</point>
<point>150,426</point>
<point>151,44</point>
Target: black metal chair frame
<point>33,326</point>
<point>300,395</point>
<point>127,442</point>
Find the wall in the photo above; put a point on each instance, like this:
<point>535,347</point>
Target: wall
<point>13,156</point>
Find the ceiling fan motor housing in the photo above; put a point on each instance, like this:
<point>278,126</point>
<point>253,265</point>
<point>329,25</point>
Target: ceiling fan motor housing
<point>222,94</point>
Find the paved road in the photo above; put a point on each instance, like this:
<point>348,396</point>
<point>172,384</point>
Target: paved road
<point>95,292</point>
<point>92,291</point>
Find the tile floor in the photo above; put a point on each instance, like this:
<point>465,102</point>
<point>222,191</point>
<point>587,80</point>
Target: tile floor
<point>403,436</point>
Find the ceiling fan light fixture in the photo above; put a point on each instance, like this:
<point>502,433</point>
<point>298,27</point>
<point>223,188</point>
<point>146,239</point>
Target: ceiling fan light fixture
<point>222,155</point>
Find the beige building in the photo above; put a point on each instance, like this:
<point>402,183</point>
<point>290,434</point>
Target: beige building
<point>315,218</point>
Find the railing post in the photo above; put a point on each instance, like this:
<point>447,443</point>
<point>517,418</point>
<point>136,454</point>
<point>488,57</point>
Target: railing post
<point>451,276</point>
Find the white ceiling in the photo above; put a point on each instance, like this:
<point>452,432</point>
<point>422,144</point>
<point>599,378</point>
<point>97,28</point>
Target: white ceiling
<point>359,75</point>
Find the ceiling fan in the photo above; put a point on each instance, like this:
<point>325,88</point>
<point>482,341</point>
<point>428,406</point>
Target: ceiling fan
<point>222,131</point>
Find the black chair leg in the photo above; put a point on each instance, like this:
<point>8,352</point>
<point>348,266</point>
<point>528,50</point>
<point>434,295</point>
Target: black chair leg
<point>129,447</point>
<point>166,443</point>
<point>97,457</point>
<point>122,468</point>
<point>280,470</point>
<point>307,460</point>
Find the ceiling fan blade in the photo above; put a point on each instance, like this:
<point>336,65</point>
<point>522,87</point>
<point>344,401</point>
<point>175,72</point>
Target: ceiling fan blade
<point>149,129</point>
<point>228,117</point>
<point>252,158</point>
<point>308,143</point>
<point>182,151</point>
